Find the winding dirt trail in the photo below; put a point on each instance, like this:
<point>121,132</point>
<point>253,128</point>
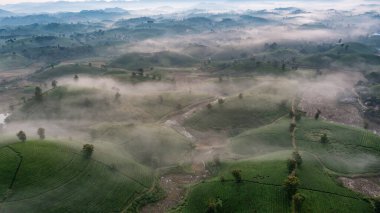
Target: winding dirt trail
<point>206,145</point>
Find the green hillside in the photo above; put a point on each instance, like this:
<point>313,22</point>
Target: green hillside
<point>55,178</point>
<point>135,61</point>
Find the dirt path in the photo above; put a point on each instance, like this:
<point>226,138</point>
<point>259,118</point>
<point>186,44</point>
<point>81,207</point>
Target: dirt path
<point>206,146</point>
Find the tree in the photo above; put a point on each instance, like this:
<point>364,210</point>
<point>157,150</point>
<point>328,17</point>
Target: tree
<point>76,77</point>
<point>54,84</point>
<point>236,173</point>
<point>316,116</point>
<point>41,133</point>
<point>209,106</point>
<point>298,199</point>
<point>297,157</point>
<point>365,125</point>
<point>140,71</point>
<point>291,163</point>
<point>291,185</point>
<point>324,138</point>
<point>240,95</point>
<point>87,150</point>
<point>38,94</point>
<point>21,136</point>
<point>220,101</point>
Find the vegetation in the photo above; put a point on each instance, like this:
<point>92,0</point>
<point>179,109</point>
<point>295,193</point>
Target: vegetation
<point>41,133</point>
<point>291,185</point>
<point>237,175</point>
<point>54,178</point>
<point>21,136</point>
<point>87,150</point>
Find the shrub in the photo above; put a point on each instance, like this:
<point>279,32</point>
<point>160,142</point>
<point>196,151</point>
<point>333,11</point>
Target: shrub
<point>324,138</point>
<point>297,158</point>
<point>87,150</point>
<point>298,199</point>
<point>236,173</point>
<point>290,185</point>
<point>214,205</point>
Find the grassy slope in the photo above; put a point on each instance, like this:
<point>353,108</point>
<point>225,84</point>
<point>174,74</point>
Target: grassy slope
<point>66,70</point>
<point>350,150</point>
<point>237,114</point>
<point>52,178</point>
<point>150,144</point>
<point>146,60</point>
<point>262,189</point>
<point>84,103</point>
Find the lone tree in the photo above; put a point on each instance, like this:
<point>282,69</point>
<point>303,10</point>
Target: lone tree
<point>38,94</point>
<point>298,199</point>
<point>291,185</point>
<point>237,175</point>
<point>41,133</point>
<point>291,163</point>
<point>21,136</point>
<point>316,116</point>
<point>240,96</point>
<point>365,125</point>
<point>87,150</point>
<point>76,77</point>
<point>297,157</point>
<point>209,106</point>
<point>324,138</point>
<point>220,101</point>
<point>54,83</point>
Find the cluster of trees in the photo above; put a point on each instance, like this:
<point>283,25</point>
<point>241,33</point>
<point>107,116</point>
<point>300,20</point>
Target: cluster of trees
<point>21,135</point>
<point>291,184</point>
<point>141,74</point>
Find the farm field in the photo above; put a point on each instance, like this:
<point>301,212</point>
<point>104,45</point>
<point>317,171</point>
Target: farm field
<point>62,176</point>
<point>261,189</point>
